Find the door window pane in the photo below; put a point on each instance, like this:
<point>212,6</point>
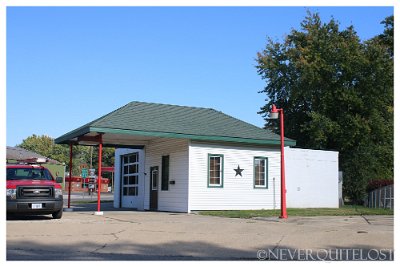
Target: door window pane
<point>154,180</point>
<point>133,168</point>
<point>133,158</point>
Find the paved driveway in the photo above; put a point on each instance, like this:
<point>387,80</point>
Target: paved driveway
<point>133,235</point>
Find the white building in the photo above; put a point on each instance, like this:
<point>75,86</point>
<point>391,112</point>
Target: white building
<point>175,158</point>
<point>311,178</point>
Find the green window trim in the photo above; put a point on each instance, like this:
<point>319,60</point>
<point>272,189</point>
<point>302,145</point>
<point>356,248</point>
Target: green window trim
<point>221,184</point>
<point>265,186</point>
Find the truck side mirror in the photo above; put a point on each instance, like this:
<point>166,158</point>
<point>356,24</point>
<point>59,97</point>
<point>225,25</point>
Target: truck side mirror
<point>59,180</point>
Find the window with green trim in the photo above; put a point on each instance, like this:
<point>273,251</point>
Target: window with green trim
<point>260,172</point>
<point>215,170</point>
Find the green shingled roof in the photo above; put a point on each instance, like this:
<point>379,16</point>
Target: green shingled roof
<point>161,120</point>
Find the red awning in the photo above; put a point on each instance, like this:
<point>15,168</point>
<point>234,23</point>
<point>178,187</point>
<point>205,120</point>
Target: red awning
<point>79,179</point>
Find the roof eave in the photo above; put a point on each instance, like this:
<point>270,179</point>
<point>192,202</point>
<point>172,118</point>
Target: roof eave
<point>67,138</point>
<point>192,136</point>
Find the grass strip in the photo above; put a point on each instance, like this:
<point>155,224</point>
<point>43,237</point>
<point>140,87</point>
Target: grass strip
<point>347,210</point>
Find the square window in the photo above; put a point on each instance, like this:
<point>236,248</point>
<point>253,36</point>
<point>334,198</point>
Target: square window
<point>133,168</point>
<point>133,191</point>
<point>133,158</point>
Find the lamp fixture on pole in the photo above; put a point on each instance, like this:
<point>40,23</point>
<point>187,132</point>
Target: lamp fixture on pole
<point>274,114</point>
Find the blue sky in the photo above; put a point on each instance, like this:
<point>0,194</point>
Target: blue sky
<point>67,66</point>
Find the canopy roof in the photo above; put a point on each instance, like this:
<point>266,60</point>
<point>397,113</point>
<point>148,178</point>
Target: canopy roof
<point>137,122</point>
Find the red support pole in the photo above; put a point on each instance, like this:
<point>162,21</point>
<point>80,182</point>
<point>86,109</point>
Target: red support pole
<point>283,182</point>
<point>70,175</point>
<point>99,172</point>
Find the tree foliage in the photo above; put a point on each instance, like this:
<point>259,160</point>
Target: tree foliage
<point>82,155</point>
<point>337,94</point>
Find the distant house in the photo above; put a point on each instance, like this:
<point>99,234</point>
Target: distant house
<point>178,158</point>
<point>18,154</point>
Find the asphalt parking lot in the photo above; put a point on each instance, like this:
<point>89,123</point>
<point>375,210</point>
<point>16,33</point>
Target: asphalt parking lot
<point>135,235</point>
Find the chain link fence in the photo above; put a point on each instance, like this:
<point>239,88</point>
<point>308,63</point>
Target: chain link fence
<point>382,197</point>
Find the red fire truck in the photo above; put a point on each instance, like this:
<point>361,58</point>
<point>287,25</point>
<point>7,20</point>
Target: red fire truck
<point>31,189</point>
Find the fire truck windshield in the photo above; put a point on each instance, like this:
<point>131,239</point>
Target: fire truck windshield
<point>28,173</point>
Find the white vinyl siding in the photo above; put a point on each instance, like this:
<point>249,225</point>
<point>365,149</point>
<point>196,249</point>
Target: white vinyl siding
<point>238,192</point>
<point>176,197</point>
<point>312,178</point>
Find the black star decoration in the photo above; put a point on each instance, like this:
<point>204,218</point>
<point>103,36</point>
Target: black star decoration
<point>238,171</point>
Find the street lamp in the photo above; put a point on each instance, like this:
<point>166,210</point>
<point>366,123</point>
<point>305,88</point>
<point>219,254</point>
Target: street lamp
<point>274,114</point>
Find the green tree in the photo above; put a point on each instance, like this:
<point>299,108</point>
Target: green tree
<point>107,156</point>
<point>337,94</point>
<point>45,146</point>
<point>81,155</point>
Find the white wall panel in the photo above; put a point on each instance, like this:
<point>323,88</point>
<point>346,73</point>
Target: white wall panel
<point>312,178</point>
<point>176,197</point>
<point>237,192</point>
